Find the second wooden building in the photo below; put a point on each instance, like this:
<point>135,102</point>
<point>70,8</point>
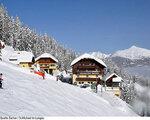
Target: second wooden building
<point>87,69</point>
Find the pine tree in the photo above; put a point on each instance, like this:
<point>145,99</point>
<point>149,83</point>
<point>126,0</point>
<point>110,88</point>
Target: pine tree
<point>142,100</point>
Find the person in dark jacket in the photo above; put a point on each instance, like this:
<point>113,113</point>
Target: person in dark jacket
<point>1,79</point>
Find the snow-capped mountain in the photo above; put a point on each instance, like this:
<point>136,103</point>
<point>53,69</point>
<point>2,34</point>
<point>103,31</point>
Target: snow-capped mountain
<point>134,61</point>
<point>133,53</point>
<point>133,56</point>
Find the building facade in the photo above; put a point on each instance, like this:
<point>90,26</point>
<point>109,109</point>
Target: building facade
<point>87,69</point>
<point>26,64</point>
<point>22,58</point>
<point>113,82</point>
<point>47,62</point>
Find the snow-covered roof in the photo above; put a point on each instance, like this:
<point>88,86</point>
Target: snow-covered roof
<point>21,56</point>
<point>88,56</point>
<point>116,79</point>
<point>26,56</point>
<point>46,55</point>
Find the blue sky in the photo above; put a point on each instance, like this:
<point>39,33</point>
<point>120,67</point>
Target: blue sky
<point>87,25</point>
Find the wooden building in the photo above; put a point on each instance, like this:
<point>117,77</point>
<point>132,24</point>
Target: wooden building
<point>86,69</point>
<point>113,82</point>
<point>22,58</point>
<point>47,62</point>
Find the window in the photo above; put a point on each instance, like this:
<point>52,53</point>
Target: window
<point>75,83</point>
<point>52,65</point>
<point>12,59</point>
<point>91,82</point>
<point>82,82</point>
<point>116,84</point>
<point>79,82</point>
<point>47,65</point>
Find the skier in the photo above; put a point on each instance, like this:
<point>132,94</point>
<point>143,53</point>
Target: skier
<point>57,77</point>
<point>43,74</point>
<point>1,79</point>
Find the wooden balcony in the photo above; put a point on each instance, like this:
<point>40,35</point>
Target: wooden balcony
<point>88,72</point>
<point>87,66</point>
<point>51,65</point>
<point>87,79</point>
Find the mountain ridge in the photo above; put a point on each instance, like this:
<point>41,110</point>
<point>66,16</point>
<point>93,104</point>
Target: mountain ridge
<point>128,60</point>
<point>133,53</point>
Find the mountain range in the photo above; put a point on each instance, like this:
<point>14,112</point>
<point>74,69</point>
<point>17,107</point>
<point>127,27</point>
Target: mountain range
<point>133,53</point>
<point>134,60</point>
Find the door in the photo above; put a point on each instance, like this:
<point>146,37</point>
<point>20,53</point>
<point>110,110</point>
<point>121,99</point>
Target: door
<point>46,70</point>
<point>51,71</point>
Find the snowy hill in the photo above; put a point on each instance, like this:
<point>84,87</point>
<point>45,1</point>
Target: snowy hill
<point>26,94</point>
<point>133,53</point>
<point>7,52</point>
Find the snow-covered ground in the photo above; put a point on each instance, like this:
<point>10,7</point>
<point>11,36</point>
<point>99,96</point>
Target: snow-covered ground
<point>6,53</point>
<point>26,94</point>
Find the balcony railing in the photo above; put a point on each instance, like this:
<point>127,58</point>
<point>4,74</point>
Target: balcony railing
<point>48,65</point>
<point>86,79</point>
<point>86,64</point>
<point>88,72</point>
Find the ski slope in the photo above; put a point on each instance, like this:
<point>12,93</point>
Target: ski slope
<point>26,94</point>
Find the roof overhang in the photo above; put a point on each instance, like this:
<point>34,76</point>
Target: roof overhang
<point>88,56</point>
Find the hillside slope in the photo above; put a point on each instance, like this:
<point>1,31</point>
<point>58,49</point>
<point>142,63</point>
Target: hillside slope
<point>26,94</point>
